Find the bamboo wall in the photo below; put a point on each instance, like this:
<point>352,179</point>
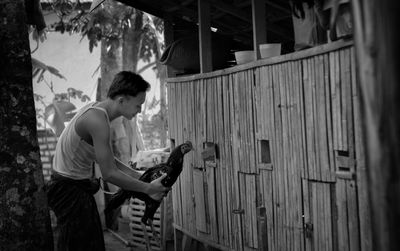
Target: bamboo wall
<point>289,169</point>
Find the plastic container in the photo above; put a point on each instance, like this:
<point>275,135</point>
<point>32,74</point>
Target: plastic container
<point>243,57</point>
<point>270,50</point>
<point>125,211</point>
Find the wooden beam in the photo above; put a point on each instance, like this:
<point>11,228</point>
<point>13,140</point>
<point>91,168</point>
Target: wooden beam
<point>232,10</point>
<point>377,50</point>
<point>169,39</point>
<point>277,6</point>
<point>244,16</point>
<point>204,36</point>
<point>259,25</point>
<point>206,241</point>
<point>178,6</point>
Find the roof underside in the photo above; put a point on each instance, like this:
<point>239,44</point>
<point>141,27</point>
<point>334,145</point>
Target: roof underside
<point>229,17</point>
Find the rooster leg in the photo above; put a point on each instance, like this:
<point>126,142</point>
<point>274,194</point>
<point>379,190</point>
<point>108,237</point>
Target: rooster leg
<point>155,234</point>
<point>146,237</point>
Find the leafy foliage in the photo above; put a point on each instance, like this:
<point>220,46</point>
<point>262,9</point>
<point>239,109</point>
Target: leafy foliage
<point>107,25</point>
<point>38,70</point>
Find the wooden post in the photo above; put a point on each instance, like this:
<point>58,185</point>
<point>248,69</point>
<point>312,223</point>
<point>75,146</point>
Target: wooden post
<point>169,39</point>
<point>377,50</point>
<point>259,25</point>
<point>204,36</point>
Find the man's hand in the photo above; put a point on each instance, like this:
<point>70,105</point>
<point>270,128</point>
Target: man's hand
<point>156,190</point>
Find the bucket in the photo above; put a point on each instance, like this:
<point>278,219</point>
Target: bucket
<point>270,50</point>
<point>243,57</point>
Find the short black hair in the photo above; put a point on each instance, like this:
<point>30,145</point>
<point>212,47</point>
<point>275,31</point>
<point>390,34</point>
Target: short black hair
<point>127,83</point>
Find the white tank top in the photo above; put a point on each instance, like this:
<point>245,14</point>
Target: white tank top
<point>74,156</point>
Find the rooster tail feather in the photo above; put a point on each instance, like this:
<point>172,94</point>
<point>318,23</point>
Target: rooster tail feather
<point>117,200</point>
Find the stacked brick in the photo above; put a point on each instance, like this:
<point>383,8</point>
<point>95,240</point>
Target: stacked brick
<point>47,143</point>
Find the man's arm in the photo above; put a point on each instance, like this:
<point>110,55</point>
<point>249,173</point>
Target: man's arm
<point>97,126</point>
<point>127,169</point>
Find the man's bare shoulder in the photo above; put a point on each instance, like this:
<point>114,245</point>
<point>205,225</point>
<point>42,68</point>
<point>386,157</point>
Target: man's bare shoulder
<point>92,121</point>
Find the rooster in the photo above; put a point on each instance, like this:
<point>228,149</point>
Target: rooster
<point>173,168</point>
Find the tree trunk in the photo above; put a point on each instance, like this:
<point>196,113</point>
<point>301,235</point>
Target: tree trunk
<point>131,46</point>
<point>110,65</point>
<point>24,214</point>
<point>377,47</point>
<point>132,41</point>
<point>162,69</point>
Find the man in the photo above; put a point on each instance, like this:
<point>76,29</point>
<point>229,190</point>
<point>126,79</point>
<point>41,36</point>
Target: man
<point>87,139</point>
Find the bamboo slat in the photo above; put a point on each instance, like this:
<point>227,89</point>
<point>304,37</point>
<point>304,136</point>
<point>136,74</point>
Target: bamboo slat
<point>269,120</point>
<point>224,164</point>
<point>220,185</point>
<point>214,204</point>
<point>322,123</point>
<point>283,177</point>
<point>171,110</point>
<point>297,152</point>
<point>290,158</point>
<point>328,105</point>
<point>251,115</point>
<point>237,228</point>
<point>311,123</point>
<point>172,126</point>
<point>247,185</point>
<point>243,124</point>
<point>302,71</point>
<point>315,114</point>
<point>307,200</point>
<point>328,216</point>
<point>277,191</point>
<point>337,101</point>
<point>198,182</point>
<point>341,197</point>
<point>228,156</point>
<point>309,130</point>
<point>180,138</point>
<point>349,111</point>
<point>316,216</point>
<point>183,176</point>
<point>348,227</point>
<point>210,173</point>
<point>286,152</point>
<point>345,83</point>
<point>268,200</point>
<point>199,122</point>
<point>295,166</point>
<point>190,157</point>
<point>352,209</point>
<point>267,126</point>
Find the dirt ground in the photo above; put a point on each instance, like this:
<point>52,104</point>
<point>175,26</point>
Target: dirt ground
<point>113,243</point>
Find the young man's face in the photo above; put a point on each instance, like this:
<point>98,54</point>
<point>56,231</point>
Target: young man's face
<point>132,105</point>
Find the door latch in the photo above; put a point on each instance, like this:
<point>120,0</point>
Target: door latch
<point>238,211</point>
